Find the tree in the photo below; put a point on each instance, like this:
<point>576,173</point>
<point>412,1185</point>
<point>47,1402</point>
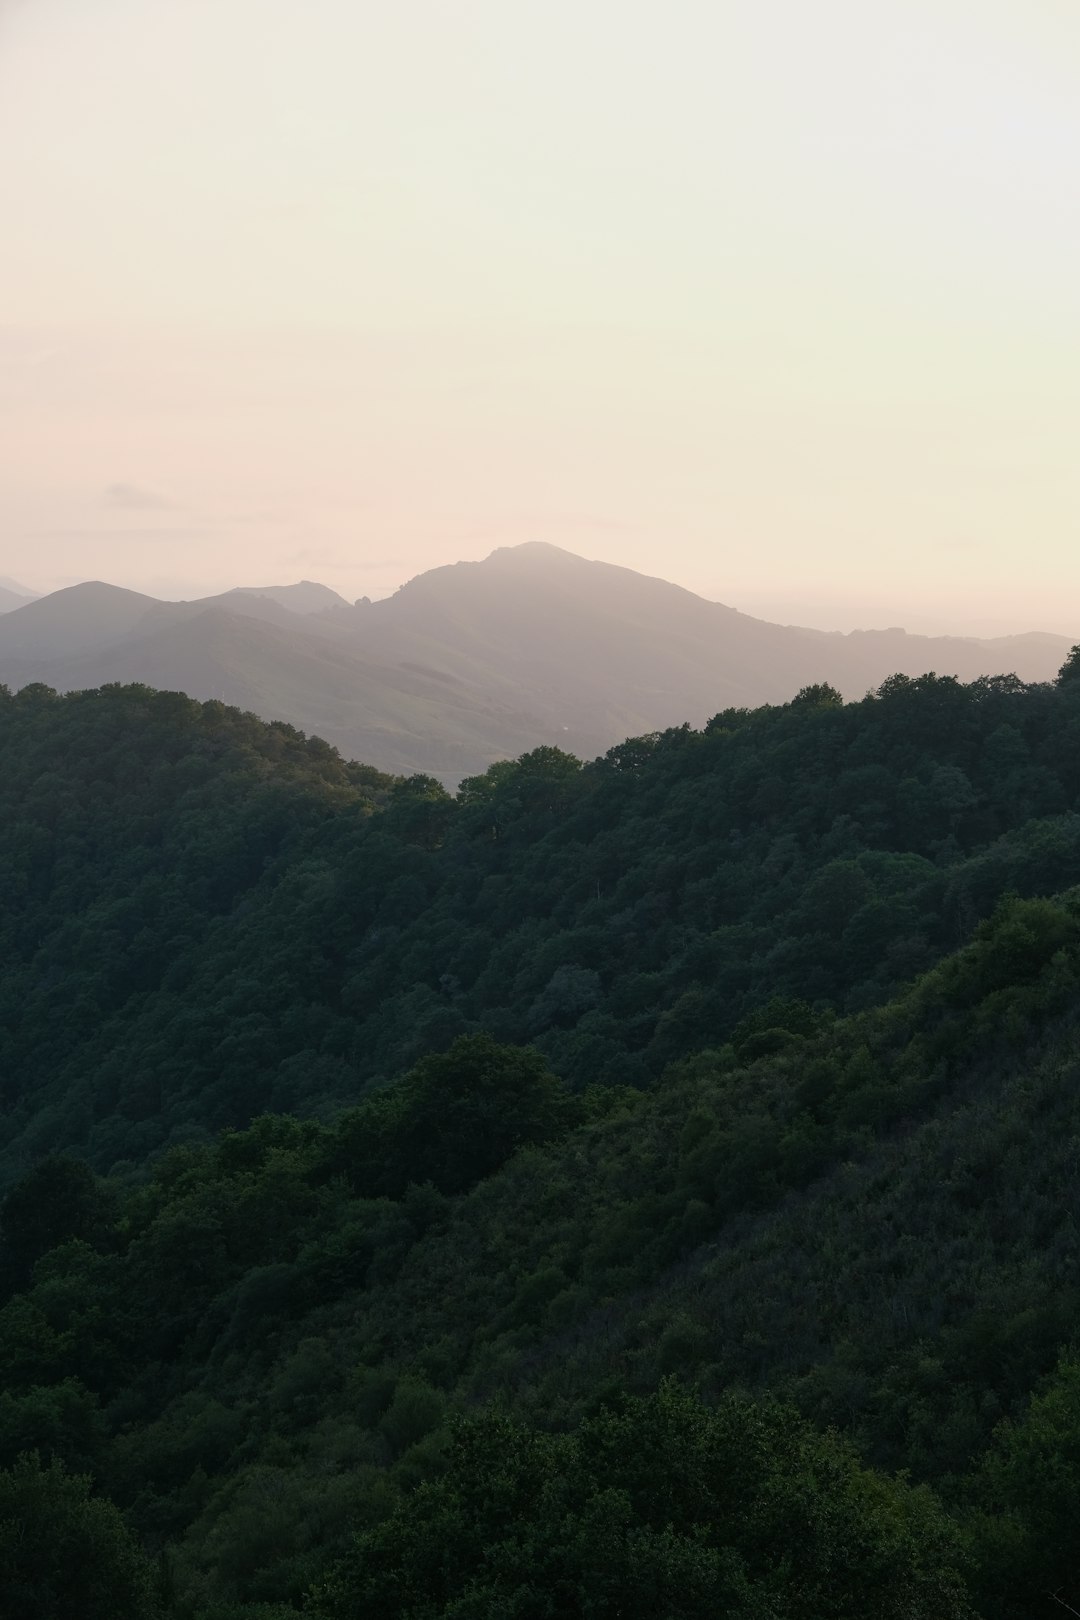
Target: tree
<point>420,811</point>
<point>821,696</point>
<point>455,1118</point>
<point>655,1506</point>
<point>1070,669</point>
<point>64,1554</point>
<point>1028,1488</point>
<point>56,1201</point>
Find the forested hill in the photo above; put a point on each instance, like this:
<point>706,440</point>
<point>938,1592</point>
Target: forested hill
<point>579,1197</point>
<point>206,917</point>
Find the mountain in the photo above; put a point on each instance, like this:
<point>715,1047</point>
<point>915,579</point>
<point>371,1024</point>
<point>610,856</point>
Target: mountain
<point>477,661</point>
<point>307,596</point>
<point>639,1188</point>
<point>608,652</point>
<point>75,620</point>
<point>13,595</point>
<point>247,656</point>
<point>270,606</point>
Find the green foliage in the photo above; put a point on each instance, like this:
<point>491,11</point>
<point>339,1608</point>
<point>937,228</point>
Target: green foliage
<point>377,1299</point>
<point>657,1507</point>
<point>57,1200</point>
<point>818,696</point>
<point>414,1412</point>
<point>62,1421</point>
<point>1070,669</point>
<point>207,918</point>
<point>66,1554</point>
<point>754,1221</point>
<point>452,1120</point>
<point>1028,1493</point>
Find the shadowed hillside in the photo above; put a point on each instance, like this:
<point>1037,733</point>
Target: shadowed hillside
<point>621,915</point>
<point>599,1183</point>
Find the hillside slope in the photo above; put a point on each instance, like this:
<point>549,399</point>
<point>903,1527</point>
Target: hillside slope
<point>307,596</point>
<point>604,644</point>
<point>248,654</point>
<point>743,1058</point>
<point>74,620</point>
<point>9,599</point>
<point>865,1216</point>
<point>476,662</point>
<point>621,914</point>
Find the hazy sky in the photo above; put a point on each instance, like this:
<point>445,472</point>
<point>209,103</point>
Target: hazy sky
<point>779,300</point>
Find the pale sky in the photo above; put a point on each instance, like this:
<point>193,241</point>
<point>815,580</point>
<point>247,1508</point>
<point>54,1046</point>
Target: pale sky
<point>778,300</point>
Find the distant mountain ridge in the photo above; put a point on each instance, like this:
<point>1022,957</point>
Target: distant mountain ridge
<point>306,596</point>
<point>13,595</point>
<point>476,661</point>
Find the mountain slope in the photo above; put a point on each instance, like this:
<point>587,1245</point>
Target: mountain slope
<point>13,588</point>
<point>602,646</point>
<point>266,1346</point>
<point>800,1120</point>
<point>10,600</point>
<point>306,596</point>
<point>480,661</point>
<point>78,619</point>
<point>252,658</point>
<point>620,915</point>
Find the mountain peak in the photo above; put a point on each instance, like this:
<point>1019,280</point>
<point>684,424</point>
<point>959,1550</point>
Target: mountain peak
<point>534,551</point>
<point>73,619</point>
<point>306,596</point>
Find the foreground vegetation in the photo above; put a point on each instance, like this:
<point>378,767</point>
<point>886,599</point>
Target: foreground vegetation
<point>668,1203</point>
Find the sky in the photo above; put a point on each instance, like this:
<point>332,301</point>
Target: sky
<point>775,300</point>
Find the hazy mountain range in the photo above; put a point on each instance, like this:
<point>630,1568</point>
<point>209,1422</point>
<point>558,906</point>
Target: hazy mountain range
<point>474,661</point>
<point>13,595</point>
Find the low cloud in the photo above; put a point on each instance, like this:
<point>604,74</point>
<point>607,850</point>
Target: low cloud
<point>130,498</point>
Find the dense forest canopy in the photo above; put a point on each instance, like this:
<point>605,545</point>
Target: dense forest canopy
<point>643,1187</point>
<point>207,918</point>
